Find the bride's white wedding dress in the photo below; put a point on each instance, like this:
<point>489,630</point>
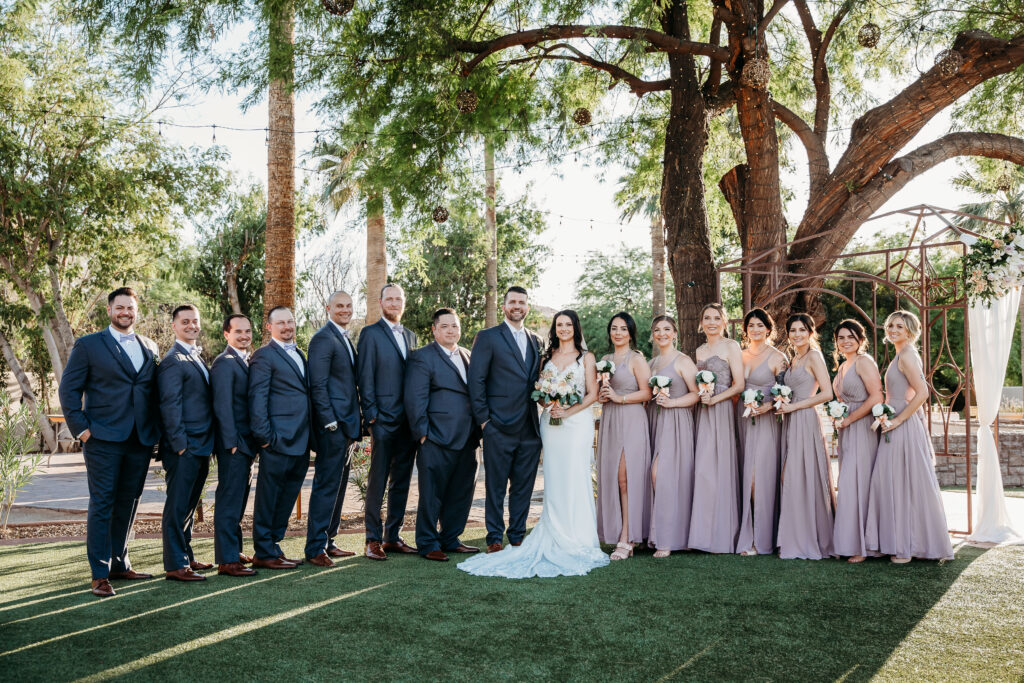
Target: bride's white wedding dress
<point>564,542</point>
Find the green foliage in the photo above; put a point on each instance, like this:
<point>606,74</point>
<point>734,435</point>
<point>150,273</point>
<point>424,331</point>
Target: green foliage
<point>18,433</point>
<point>444,264</point>
<point>615,282</point>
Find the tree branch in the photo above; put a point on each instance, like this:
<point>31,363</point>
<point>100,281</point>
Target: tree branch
<point>776,6</point>
<point>817,159</point>
<point>637,86</point>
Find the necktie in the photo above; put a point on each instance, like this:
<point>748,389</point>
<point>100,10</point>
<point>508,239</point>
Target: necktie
<point>458,365</point>
<point>521,341</point>
<point>127,337</point>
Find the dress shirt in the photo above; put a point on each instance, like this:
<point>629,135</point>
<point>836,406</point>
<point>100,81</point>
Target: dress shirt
<point>397,331</point>
<point>293,354</point>
<point>347,341</point>
<point>244,355</point>
<point>457,361</point>
<point>520,337</point>
<point>131,346</point>
<point>193,353</point>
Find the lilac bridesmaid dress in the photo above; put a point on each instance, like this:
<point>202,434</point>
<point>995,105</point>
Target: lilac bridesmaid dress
<point>672,449</point>
<point>905,513</point>
<point>761,446</point>
<point>806,505</point>
<point>623,433</point>
<point>858,445</point>
<point>715,516</point>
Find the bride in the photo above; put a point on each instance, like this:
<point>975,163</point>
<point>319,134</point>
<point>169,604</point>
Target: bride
<point>564,542</point>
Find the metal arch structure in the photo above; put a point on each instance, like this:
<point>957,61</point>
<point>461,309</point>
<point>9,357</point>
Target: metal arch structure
<point>909,275</point>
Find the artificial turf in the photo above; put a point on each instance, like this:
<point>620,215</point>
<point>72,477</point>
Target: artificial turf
<point>692,616</point>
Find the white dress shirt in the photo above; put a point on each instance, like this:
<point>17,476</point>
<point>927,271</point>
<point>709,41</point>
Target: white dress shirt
<point>294,355</point>
<point>456,360</point>
<point>132,347</point>
<point>397,331</point>
<point>347,341</point>
<point>193,354</point>
<point>244,355</point>
<point>520,337</point>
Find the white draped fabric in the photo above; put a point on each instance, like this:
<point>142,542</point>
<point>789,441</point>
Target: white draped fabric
<point>992,328</point>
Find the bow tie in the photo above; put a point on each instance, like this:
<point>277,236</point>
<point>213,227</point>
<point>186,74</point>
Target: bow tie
<point>454,354</point>
<point>397,328</point>
<point>195,350</point>
<point>290,347</point>
<point>127,337</point>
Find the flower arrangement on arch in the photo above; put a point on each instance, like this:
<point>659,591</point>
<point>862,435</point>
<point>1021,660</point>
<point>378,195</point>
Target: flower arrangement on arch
<point>994,265</point>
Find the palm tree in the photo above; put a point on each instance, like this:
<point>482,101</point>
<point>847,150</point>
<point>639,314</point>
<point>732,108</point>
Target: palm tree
<point>650,206</point>
<point>343,171</point>
<point>491,222</point>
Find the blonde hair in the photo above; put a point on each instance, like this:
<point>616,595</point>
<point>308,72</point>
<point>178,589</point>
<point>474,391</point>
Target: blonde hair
<point>725,318</point>
<point>910,321</point>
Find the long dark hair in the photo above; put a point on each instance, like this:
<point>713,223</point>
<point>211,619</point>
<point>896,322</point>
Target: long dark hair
<point>764,317</point>
<point>630,325</point>
<point>553,341</point>
<point>857,330</point>
<point>808,322</point>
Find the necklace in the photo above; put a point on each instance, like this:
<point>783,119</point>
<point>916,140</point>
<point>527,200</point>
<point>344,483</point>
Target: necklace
<point>801,356</point>
<point>761,352</point>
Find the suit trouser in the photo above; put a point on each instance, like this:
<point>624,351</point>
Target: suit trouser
<point>510,464</point>
<point>186,477</point>
<point>391,459</point>
<point>234,482</point>
<point>277,487</point>
<point>325,500</point>
<point>116,473</point>
<point>446,485</point>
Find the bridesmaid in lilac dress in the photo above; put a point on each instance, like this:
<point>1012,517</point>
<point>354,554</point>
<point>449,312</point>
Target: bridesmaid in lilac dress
<point>671,420</point>
<point>905,514</point>
<point>806,502</point>
<point>859,385</point>
<point>760,439</point>
<point>715,517</point>
<point>623,444</point>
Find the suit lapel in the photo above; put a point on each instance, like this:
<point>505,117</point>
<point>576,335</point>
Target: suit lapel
<point>510,340</point>
<point>288,359</point>
<point>391,338</point>
<point>120,354</point>
<point>448,361</point>
<point>345,344</point>
<point>193,362</point>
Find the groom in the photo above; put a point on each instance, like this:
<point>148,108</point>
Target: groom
<point>501,378</point>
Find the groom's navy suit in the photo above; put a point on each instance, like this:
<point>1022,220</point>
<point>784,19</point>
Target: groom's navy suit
<point>437,404</point>
<point>381,371</point>
<point>186,413</point>
<point>500,384</point>
<point>332,385</point>
<point>279,415</point>
<point>102,391</point>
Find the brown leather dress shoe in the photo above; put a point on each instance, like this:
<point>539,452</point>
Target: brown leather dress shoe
<point>184,574</point>
<point>199,566</point>
<point>463,548</point>
<point>338,552</point>
<point>494,547</point>
<point>235,569</point>
<point>321,560</point>
<point>516,544</point>
<point>130,575</point>
<point>399,546</point>
<point>374,551</point>
<point>102,588</point>
<point>244,559</point>
<point>288,559</point>
<point>276,563</point>
<point>436,556</point>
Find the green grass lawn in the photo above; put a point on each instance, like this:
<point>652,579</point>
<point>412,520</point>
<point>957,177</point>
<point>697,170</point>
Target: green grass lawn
<point>696,617</point>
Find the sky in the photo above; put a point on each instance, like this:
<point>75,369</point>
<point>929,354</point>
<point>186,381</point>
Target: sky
<point>582,215</point>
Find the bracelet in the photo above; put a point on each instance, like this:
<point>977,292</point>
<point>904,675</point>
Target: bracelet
<point>623,401</point>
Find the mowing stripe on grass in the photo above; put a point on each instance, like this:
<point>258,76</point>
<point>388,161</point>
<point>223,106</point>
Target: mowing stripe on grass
<point>84,604</point>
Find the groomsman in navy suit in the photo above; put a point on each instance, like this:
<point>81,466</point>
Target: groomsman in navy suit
<point>229,379</point>
<point>108,395</point>
<point>505,363</point>
<point>440,416</point>
<point>186,413</point>
<point>383,349</point>
<point>279,415</point>
<point>332,384</point>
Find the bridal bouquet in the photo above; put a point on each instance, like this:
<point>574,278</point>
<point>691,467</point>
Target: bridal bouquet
<point>605,370</point>
<point>838,411</point>
<point>706,382</point>
<point>883,413</point>
<point>782,395</point>
<point>553,389</point>
<point>752,400</point>
<point>658,384</point>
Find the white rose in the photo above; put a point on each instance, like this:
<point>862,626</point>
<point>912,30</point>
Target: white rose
<point>878,409</point>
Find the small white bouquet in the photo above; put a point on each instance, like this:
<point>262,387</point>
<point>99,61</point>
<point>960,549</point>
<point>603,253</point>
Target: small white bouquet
<point>552,389</point>
<point>883,413</point>
<point>781,395</point>
<point>706,382</point>
<point>659,384</point>
<point>838,411</point>
<point>752,400</point>
<point>605,370</point>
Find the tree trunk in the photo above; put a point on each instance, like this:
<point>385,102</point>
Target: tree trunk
<point>682,188</point>
<point>231,283</point>
<point>279,272</point>
<point>376,257</point>
<point>491,222</point>
<point>47,431</point>
<point>657,265</point>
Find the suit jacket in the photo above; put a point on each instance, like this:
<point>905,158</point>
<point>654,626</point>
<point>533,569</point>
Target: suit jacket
<point>437,398</point>
<point>332,382</point>
<point>186,403</point>
<point>101,391</point>
<point>500,381</point>
<point>279,409</point>
<point>229,380</point>
<point>381,371</point>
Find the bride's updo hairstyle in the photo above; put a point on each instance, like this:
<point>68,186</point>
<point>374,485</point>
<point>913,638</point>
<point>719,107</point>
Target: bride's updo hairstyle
<point>630,326</point>
<point>577,336</point>
<point>808,322</point>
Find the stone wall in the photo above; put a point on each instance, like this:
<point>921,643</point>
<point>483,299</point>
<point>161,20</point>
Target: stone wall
<point>952,471</point>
